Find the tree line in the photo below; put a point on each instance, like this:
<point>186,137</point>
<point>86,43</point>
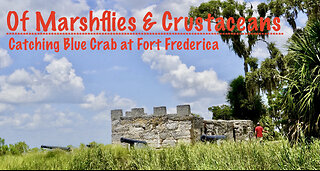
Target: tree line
<point>290,81</point>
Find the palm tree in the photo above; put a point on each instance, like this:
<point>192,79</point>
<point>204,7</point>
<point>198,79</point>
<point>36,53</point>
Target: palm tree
<point>302,95</point>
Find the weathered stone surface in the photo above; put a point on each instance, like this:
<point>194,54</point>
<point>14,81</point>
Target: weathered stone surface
<point>137,112</point>
<point>164,135</point>
<point>161,129</point>
<point>157,131</point>
<point>150,136</point>
<point>172,126</point>
<point>181,133</point>
<point>168,142</point>
<point>243,128</point>
<point>116,114</point>
<point>120,128</point>
<point>183,110</point>
<point>128,113</point>
<point>159,111</point>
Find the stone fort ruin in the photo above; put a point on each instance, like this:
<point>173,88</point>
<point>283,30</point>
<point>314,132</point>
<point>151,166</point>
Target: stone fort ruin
<point>161,129</point>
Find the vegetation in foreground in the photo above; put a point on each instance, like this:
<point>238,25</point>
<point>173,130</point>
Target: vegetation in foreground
<point>225,155</point>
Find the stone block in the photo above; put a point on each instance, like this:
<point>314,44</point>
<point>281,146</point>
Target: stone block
<point>150,136</point>
<point>136,112</point>
<point>116,114</point>
<point>172,126</point>
<point>120,128</point>
<point>164,135</point>
<point>159,111</point>
<point>183,110</point>
<point>181,133</point>
<point>168,142</point>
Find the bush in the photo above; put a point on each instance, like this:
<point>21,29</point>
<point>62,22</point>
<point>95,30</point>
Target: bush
<point>4,149</point>
<point>18,148</point>
<point>14,149</point>
<point>221,112</point>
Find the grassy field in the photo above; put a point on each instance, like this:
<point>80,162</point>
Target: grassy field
<point>226,155</point>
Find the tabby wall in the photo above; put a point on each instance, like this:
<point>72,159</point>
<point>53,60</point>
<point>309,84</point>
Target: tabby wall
<point>233,129</point>
<point>161,129</point>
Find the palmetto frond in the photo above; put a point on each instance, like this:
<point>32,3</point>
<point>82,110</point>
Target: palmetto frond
<point>302,102</point>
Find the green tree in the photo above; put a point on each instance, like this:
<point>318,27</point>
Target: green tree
<point>242,45</point>
<point>301,101</point>
<point>18,148</point>
<point>243,106</point>
<point>221,112</point>
<point>267,78</point>
<point>289,9</point>
<point>269,125</point>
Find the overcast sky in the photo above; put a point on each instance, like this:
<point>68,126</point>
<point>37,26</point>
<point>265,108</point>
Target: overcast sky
<point>65,98</point>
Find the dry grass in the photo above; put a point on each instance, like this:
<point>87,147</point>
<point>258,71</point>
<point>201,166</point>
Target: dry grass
<point>227,155</point>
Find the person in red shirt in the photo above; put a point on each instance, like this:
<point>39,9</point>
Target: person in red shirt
<point>258,131</point>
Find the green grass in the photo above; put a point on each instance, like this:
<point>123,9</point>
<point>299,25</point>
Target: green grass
<point>227,155</point>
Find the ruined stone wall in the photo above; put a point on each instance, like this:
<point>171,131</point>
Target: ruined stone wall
<point>159,129</point>
<point>241,129</point>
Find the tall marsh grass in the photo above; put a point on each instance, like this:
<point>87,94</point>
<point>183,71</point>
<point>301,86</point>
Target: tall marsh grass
<point>226,155</point>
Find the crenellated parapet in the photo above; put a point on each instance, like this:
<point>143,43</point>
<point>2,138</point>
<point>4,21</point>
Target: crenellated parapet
<point>182,110</point>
